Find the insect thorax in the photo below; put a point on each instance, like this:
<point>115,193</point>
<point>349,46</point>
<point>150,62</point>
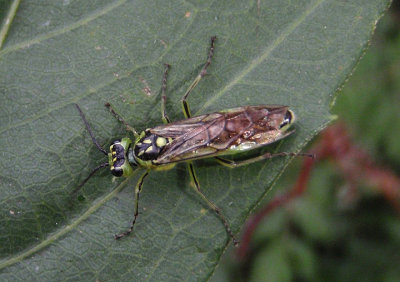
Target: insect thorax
<point>150,146</point>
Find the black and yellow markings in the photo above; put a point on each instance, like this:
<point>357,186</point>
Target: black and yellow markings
<point>118,158</point>
<point>150,146</point>
<point>161,142</point>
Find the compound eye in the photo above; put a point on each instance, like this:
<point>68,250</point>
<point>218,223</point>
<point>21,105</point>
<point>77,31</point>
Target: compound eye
<point>117,171</point>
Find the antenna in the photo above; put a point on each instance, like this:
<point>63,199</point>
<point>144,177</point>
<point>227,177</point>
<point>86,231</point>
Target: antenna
<point>98,147</point>
<point>88,177</point>
<point>90,131</point>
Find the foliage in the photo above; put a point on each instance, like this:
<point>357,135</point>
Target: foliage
<point>330,233</point>
<point>91,52</point>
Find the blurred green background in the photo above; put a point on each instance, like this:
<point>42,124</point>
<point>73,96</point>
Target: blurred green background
<point>323,236</point>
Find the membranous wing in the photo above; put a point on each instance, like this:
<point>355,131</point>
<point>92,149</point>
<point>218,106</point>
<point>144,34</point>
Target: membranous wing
<point>223,133</point>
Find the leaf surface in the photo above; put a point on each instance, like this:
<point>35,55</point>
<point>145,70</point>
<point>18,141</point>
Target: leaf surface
<point>91,52</point>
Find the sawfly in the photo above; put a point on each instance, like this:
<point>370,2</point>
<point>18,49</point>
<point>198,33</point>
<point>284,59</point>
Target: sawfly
<point>211,135</point>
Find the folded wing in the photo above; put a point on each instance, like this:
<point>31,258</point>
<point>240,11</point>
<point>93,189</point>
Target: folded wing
<point>221,133</point>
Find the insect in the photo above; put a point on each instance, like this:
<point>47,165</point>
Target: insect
<point>211,135</point>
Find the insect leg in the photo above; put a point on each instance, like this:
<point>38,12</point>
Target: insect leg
<point>120,119</point>
<point>185,105</point>
<point>138,189</point>
<point>233,164</point>
<point>210,203</point>
<point>164,95</point>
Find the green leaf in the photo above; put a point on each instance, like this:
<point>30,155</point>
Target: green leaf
<point>272,264</point>
<point>58,54</point>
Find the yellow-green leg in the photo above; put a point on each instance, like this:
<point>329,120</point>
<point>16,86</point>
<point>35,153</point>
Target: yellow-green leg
<point>187,113</point>
<point>185,105</point>
<point>217,210</point>
<point>138,189</point>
